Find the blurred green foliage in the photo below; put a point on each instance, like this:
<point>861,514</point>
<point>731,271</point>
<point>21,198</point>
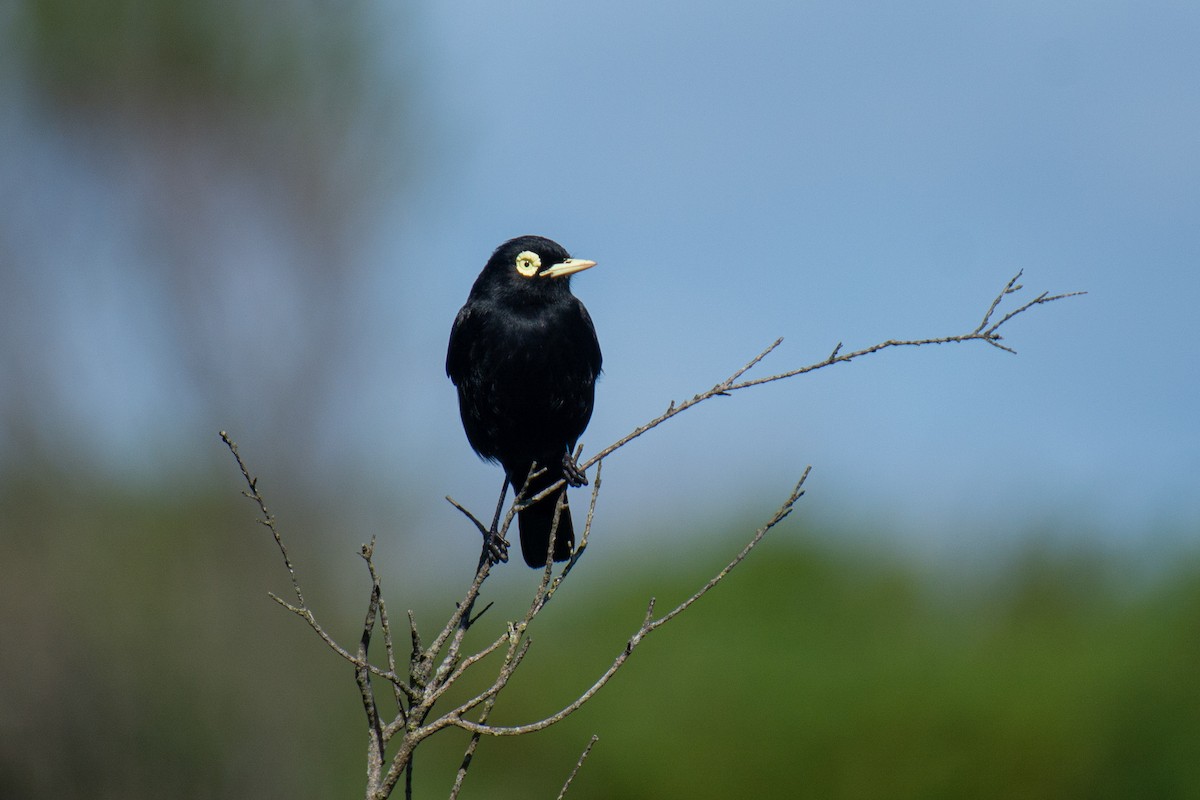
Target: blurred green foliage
<point>142,658</point>
<point>169,53</point>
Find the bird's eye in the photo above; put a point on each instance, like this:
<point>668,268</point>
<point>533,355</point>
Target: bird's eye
<point>528,263</point>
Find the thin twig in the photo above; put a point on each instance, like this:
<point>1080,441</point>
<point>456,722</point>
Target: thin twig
<point>473,743</point>
<point>479,525</point>
<point>268,519</point>
<point>583,539</point>
<point>398,688</point>
<point>578,766</point>
<point>362,675</point>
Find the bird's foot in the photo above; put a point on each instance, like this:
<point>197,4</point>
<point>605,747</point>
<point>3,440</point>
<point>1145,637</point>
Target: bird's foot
<point>495,548</point>
<point>572,473</point>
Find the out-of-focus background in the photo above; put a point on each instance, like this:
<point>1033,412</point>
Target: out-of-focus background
<point>263,217</point>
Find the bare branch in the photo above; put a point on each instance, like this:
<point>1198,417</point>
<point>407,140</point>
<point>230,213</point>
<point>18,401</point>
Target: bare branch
<point>268,519</point>
<point>649,624</point>
<point>489,702</point>
<point>989,335</point>
<point>301,609</point>
<point>400,689</point>
<point>754,361</point>
<point>578,766</point>
<point>780,514</point>
<point>362,675</point>
<point>479,525</point>
<point>733,383</point>
<point>1009,288</point>
<point>454,628</point>
<point>583,538</point>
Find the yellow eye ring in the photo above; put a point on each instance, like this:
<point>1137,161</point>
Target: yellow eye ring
<point>528,263</point>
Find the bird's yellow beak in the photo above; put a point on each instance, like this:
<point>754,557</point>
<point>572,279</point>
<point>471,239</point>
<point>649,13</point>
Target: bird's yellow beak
<point>568,267</point>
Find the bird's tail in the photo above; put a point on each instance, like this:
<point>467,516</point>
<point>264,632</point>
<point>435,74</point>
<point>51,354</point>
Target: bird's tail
<point>537,521</point>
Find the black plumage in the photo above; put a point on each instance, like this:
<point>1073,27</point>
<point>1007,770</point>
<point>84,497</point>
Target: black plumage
<point>524,357</point>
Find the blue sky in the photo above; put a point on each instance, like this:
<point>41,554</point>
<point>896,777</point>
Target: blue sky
<point>823,172</point>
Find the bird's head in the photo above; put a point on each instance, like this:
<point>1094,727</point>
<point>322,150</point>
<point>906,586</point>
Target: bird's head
<point>532,266</point>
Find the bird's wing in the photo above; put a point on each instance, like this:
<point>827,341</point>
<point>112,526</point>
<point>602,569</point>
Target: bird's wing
<point>459,352</point>
<point>591,342</point>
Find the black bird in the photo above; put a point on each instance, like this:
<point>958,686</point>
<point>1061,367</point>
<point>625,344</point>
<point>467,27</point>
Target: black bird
<point>524,356</point>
